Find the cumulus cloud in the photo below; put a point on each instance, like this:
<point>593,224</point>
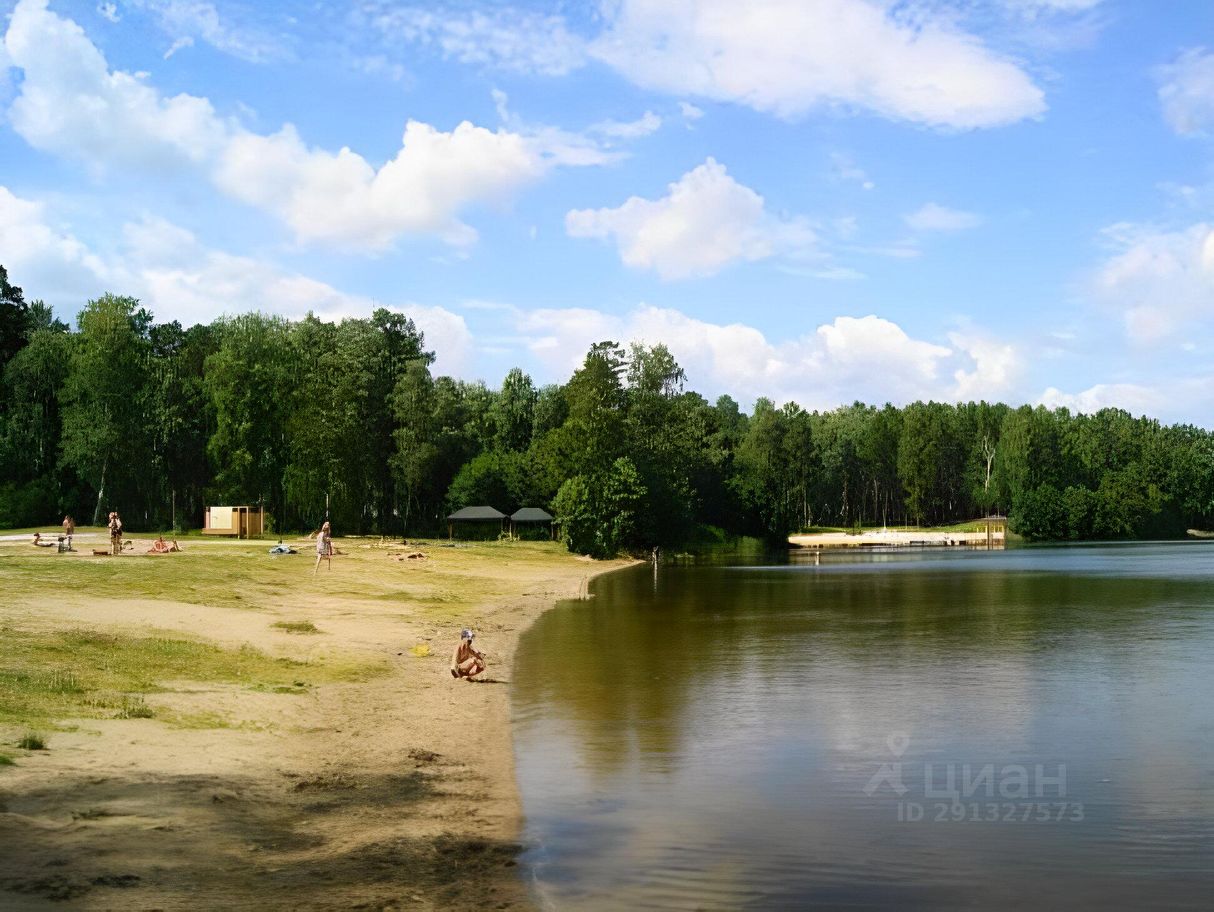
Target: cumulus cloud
<point>1159,281</point>
<point>72,104</point>
<point>179,278</point>
<point>43,254</point>
<point>787,57</point>
<point>1133,397</point>
<point>1186,92</point>
<point>849,358</point>
<point>934,217</point>
<point>343,198</point>
<point>1184,398</point>
<point>996,371</point>
<point>707,221</point>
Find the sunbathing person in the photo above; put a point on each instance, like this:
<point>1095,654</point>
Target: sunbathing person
<point>160,546</point>
<point>466,662</point>
<point>39,543</point>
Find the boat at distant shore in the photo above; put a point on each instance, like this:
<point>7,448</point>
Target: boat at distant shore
<point>1199,533</point>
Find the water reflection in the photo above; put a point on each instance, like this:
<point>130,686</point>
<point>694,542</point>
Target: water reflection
<point>705,739</point>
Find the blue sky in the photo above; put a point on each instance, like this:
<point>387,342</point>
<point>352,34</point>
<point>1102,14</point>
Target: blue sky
<point>819,200</point>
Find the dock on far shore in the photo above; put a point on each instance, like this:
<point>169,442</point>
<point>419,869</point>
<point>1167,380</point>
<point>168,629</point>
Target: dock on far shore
<point>993,534</point>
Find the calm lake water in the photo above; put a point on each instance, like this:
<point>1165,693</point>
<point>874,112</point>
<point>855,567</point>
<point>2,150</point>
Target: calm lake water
<point>1021,729</point>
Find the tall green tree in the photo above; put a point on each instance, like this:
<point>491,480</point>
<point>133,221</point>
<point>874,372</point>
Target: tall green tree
<point>252,380</point>
<point>104,433</point>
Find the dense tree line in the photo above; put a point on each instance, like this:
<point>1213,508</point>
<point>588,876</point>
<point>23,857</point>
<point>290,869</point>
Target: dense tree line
<point>158,420</point>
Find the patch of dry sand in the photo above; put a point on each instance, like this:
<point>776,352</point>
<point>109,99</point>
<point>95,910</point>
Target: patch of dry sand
<point>398,793</point>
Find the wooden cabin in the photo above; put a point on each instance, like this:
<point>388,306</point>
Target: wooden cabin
<point>236,522</point>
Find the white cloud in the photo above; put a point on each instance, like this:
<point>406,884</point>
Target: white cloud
<point>690,112</point>
<point>1159,281</point>
<point>178,278</point>
<point>1186,92</point>
<point>188,20</point>
<point>1134,398</point>
<point>850,358</point>
<point>499,37</point>
<point>71,104</point>
<point>1036,7</point>
<point>934,217</point>
<point>342,198</point>
<point>787,57</point>
<point>784,57</point>
<point>181,43</point>
<point>644,125</point>
<point>845,169</point>
<point>109,11</point>
<point>707,221</point>
<point>997,367</point>
<point>42,254</point>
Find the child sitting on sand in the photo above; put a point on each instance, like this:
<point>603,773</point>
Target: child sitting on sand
<point>466,662</point>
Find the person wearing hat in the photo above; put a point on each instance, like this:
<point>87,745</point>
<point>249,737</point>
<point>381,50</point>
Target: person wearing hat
<point>466,662</point>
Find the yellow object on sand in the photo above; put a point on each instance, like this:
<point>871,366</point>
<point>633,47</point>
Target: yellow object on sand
<point>421,650</point>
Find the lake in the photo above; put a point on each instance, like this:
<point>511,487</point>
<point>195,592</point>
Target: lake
<point>1020,729</point>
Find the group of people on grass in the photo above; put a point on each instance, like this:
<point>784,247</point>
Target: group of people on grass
<point>114,526</point>
<point>466,662</point>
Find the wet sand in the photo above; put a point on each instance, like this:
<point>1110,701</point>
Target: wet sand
<point>395,793</point>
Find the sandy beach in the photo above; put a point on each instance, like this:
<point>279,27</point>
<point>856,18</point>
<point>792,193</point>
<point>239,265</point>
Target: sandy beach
<point>372,781</point>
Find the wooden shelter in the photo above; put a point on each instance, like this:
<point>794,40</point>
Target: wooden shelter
<point>475,515</point>
<point>995,527</point>
<point>239,522</point>
<point>532,516</point>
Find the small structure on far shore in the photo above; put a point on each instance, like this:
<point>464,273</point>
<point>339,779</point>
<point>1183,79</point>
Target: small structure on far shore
<point>995,527</point>
<point>476,515</point>
<point>532,516</point>
<point>239,522</point>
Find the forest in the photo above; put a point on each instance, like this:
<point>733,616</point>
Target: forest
<point>157,420</point>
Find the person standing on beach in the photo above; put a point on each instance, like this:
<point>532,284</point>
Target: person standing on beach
<point>466,662</point>
<point>115,533</point>
<point>69,529</point>
<point>324,547</point>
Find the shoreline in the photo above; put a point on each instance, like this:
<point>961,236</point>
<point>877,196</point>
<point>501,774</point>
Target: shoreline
<point>499,721</point>
<point>397,791</point>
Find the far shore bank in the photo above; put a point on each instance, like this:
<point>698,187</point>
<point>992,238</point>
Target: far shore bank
<point>308,751</point>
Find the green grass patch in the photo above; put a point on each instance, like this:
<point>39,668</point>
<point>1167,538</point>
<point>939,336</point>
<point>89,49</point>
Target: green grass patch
<point>88,674</point>
<point>6,760</point>
<point>32,741</point>
<point>296,626</point>
<point>134,708</point>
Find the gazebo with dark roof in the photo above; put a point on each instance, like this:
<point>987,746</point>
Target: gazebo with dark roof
<point>473,514</point>
<point>529,515</point>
